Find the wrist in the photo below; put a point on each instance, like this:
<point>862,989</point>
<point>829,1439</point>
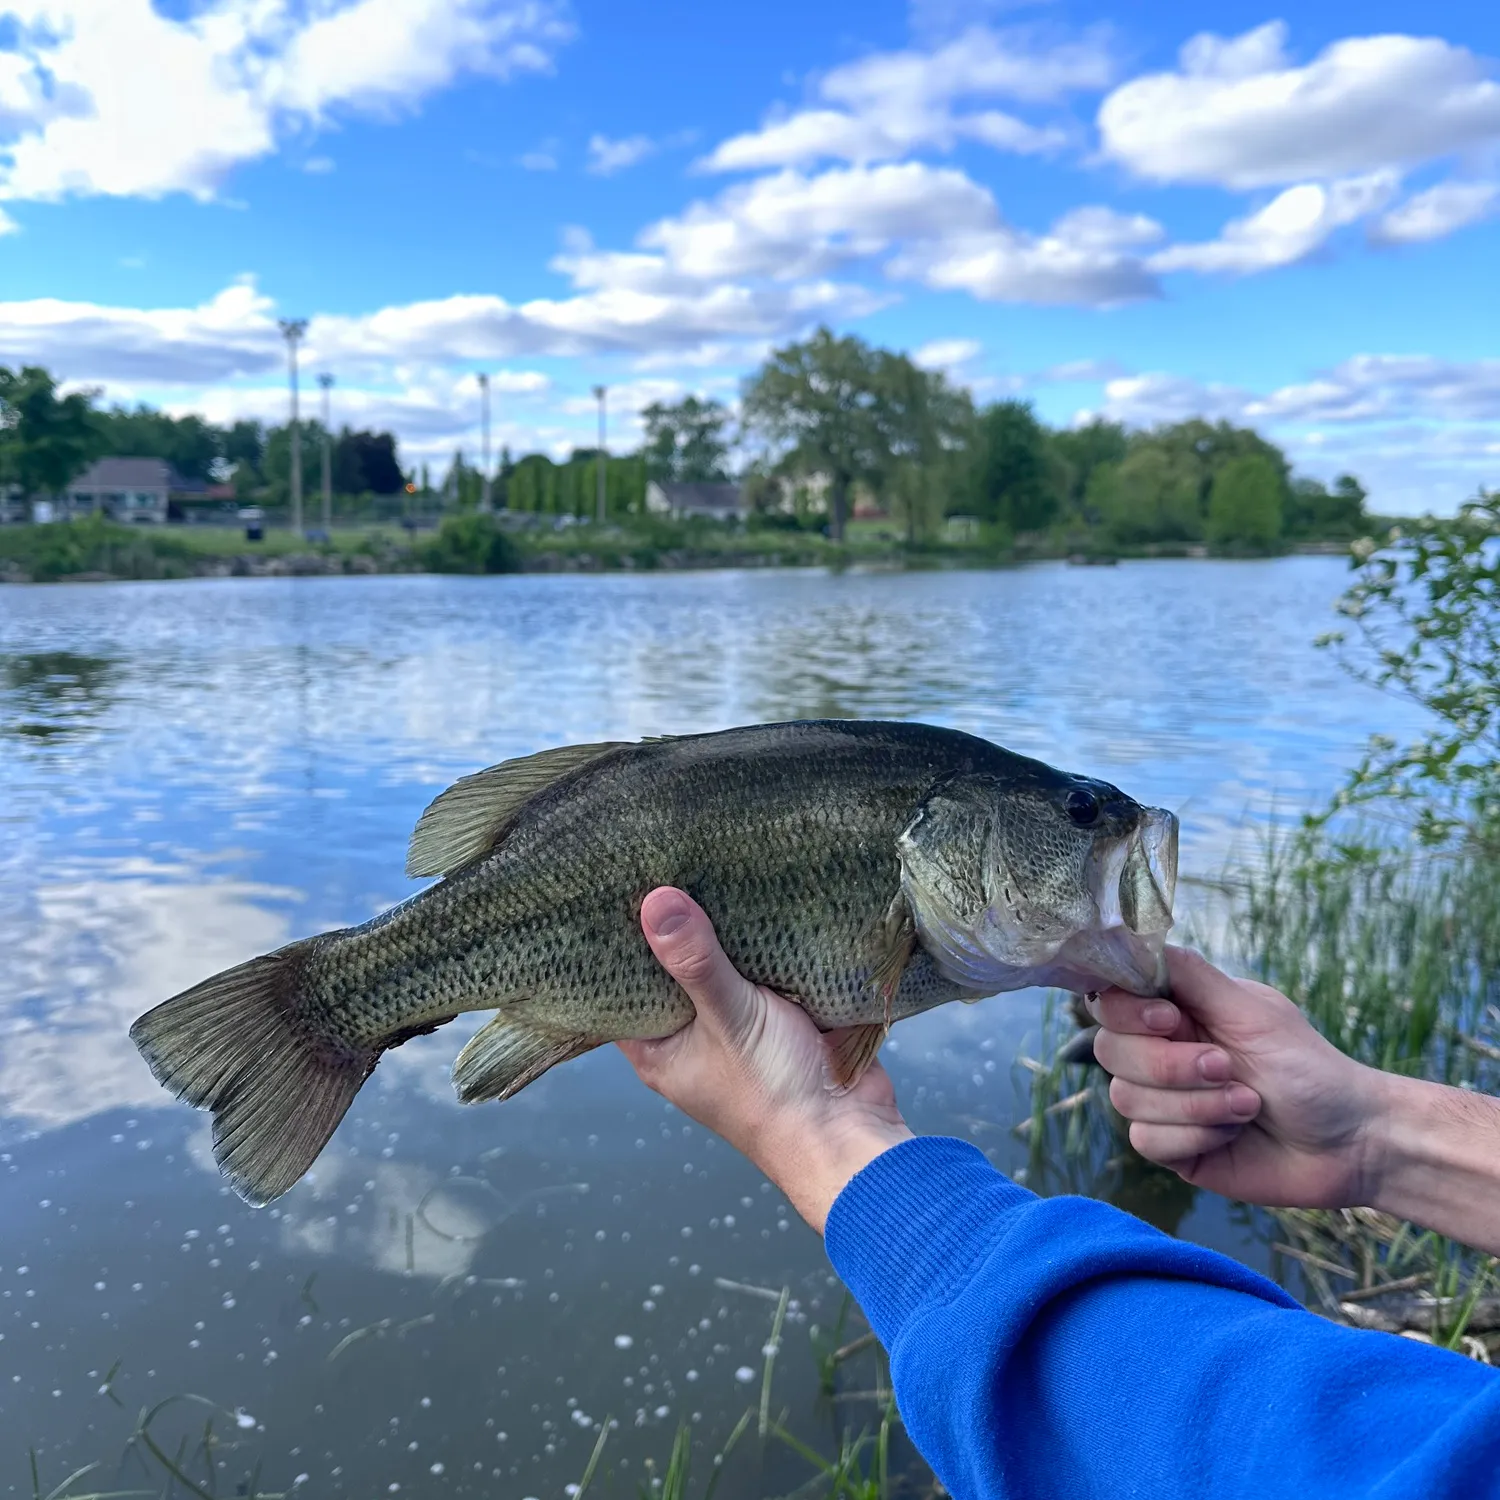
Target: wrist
<point>812,1161</point>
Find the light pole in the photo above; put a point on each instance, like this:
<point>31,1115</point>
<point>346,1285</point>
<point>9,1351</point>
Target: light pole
<point>484,446</point>
<point>292,330</point>
<point>602,459</point>
<point>326,381</point>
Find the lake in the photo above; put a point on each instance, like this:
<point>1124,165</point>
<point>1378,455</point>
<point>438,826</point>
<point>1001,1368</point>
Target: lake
<point>192,773</point>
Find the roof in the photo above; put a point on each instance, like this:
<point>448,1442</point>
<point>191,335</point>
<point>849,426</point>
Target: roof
<point>702,497</point>
<point>132,473</point>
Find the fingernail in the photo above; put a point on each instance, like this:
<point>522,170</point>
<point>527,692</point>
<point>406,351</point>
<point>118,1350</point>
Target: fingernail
<point>1160,1016</point>
<point>668,913</point>
<point>1242,1100</point>
<point>1213,1067</point>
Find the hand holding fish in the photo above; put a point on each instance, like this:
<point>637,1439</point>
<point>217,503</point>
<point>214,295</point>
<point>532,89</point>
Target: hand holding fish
<point>1233,1089</point>
<point>754,1069</point>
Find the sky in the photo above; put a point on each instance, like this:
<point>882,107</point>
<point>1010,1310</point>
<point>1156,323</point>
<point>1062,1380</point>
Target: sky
<point>1291,221</point>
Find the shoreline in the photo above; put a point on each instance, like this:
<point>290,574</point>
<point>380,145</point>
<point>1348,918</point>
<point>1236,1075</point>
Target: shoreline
<point>143,562</point>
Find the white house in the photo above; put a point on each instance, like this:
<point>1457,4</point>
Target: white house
<point>133,490</point>
<point>720,502</point>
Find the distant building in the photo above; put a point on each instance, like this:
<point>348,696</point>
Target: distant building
<point>132,490</point>
<point>13,505</point>
<point>720,502</point>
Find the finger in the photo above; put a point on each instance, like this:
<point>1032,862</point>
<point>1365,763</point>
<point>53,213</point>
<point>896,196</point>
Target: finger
<point>682,938</point>
<point>1129,1015</point>
<point>1180,1146</point>
<point>1233,1104</point>
<point>1162,1064</point>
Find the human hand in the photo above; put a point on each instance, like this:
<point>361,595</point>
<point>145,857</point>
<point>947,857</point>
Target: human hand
<point>1232,1088</point>
<point>754,1069</point>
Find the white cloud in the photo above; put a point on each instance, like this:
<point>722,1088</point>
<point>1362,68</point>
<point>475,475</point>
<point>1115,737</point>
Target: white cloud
<point>1437,212</point>
<point>788,225</point>
<point>891,103</point>
<point>1089,257</point>
<point>607,156</point>
<point>1239,113</point>
<point>1289,228</point>
<point>946,354</point>
<point>113,97</point>
<point>318,165</point>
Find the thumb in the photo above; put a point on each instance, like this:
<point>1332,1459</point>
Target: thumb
<point>1201,991</point>
<point>683,940</point>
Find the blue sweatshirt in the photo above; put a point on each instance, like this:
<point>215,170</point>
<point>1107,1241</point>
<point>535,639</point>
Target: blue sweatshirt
<point>1058,1347</point>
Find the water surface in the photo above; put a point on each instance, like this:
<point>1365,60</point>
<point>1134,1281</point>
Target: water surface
<point>191,773</point>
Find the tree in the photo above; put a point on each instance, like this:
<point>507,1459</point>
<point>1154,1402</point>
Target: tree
<point>1017,481</point>
<point>1085,449</point>
<point>926,427</point>
<point>46,440</point>
<point>1211,445</point>
<point>1245,505</point>
<point>1149,496</point>
<point>817,403</point>
<point>190,444</point>
<point>365,463</point>
<point>685,440</point>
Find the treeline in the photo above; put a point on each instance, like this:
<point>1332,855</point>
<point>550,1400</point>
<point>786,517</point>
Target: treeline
<point>824,425</point>
<point>47,440</point>
<point>830,419</point>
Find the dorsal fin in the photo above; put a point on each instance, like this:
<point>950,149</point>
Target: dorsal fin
<point>465,822</point>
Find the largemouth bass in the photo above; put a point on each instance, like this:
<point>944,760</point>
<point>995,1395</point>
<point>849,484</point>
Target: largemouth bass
<point>867,870</point>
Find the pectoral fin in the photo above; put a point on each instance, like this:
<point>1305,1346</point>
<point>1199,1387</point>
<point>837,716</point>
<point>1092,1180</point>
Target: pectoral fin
<point>506,1054</point>
<point>854,1052</point>
<point>898,941</point>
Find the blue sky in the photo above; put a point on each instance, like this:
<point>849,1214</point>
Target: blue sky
<point>1291,221</point>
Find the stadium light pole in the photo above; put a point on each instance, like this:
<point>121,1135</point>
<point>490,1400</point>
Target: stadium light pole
<point>326,381</point>
<point>601,461</point>
<point>484,440</point>
<point>292,330</point>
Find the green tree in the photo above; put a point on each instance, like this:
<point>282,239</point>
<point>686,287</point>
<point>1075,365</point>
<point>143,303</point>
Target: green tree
<point>1151,495</point>
<point>685,440</point>
<point>1426,606</point>
<point>1210,445</point>
<point>1245,504</point>
<point>1085,449</point>
<point>190,444</point>
<point>817,404</point>
<point>927,426</point>
<point>46,440</point>
<point>1313,510</point>
<point>1018,482</point>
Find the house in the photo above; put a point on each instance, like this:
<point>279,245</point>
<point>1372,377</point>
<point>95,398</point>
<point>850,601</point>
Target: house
<point>720,502</point>
<point>133,490</point>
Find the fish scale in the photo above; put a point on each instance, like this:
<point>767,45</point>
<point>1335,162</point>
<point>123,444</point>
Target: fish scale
<point>800,841</point>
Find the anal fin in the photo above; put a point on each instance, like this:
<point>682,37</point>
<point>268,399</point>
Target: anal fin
<point>506,1054</point>
<point>853,1053</point>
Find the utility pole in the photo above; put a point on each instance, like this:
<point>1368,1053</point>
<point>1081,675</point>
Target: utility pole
<point>326,381</point>
<point>602,459</point>
<point>484,421</point>
<point>292,330</point>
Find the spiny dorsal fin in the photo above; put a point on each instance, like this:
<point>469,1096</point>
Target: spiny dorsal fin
<point>465,822</point>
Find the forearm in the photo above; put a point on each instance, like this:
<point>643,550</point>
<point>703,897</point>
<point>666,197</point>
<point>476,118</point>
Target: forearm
<point>1436,1154</point>
<point>812,1169</point>
<point>1041,1347</point>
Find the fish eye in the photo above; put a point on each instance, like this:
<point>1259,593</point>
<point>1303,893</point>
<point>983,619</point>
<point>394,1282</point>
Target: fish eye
<point>1082,807</point>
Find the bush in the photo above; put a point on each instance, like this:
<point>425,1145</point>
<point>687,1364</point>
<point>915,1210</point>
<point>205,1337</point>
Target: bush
<point>63,549</point>
<point>471,543</point>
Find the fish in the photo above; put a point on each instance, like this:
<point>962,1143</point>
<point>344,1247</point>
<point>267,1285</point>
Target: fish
<point>867,870</point>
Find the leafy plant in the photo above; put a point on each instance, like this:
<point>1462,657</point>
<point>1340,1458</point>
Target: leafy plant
<point>1425,609</point>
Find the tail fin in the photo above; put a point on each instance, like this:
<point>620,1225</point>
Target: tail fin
<point>240,1045</point>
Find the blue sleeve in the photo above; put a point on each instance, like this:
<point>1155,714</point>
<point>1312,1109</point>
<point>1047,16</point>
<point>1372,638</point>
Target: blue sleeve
<point>1059,1347</point>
